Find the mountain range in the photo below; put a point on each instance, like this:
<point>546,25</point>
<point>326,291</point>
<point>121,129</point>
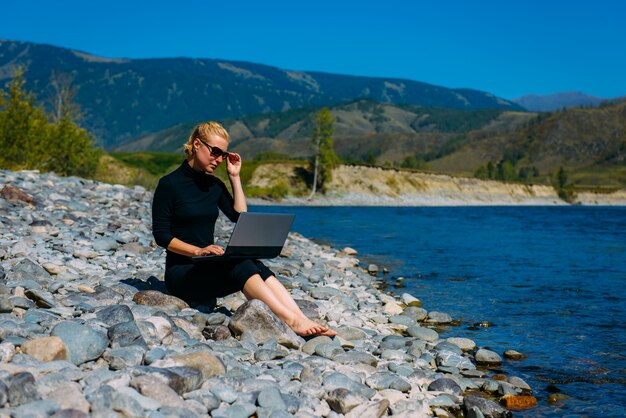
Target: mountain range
<point>557,101</point>
<point>124,98</point>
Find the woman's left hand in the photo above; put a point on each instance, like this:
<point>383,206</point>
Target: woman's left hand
<point>233,164</point>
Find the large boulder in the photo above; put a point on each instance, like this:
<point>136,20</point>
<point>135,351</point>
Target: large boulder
<point>83,342</point>
<point>255,317</point>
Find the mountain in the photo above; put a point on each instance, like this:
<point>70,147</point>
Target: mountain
<point>362,128</point>
<point>557,101</point>
<point>588,141</point>
<point>123,98</point>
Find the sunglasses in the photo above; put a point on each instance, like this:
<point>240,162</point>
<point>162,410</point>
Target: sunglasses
<point>215,151</point>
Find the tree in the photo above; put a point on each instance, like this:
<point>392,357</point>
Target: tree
<point>324,158</point>
<point>28,140</point>
<point>23,127</point>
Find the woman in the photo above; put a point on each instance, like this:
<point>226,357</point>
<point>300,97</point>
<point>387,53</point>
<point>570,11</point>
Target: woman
<point>184,212</point>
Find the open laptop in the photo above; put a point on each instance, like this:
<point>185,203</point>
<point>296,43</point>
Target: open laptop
<point>256,235</point>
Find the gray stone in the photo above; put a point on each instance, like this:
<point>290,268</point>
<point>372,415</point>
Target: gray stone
<point>425,334</point>
<point>112,315</point>
<point>68,395</point>
<point>394,342</point>
<point>308,308</point>
<point>29,270</point>
<point>487,357</point>
<point>309,346</point>
<point>125,334</point>
<point>444,401</point>
<point>488,408</point>
<point>105,244</point>
<point>337,380</point>
<point>324,293</point>
<point>446,346</point>
<point>445,385</point>
<point>234,411</point>
<point>154,388</point>
<point>4,393</point>
<point>42,299</point>
<point>518,382</point>
<point>474,412</point>
<point>350,333</point>
<point>145,402</point>
<point>205,397</point>
<point>254,316</point>
<point>173,412</point>
<point>22,389</point>
<point>490,385</point>
<point>6,304</point>
<point>329,351</point>
<point>83,343</point>
<point>402,320</point>
<point>387,380</point>
<point>343,401</point>
<point>264,354</point>
<point>271,398</point>
<point>122,357</point>
<point>356,357</point>
<point>181,379</point>
<point>435,317</point>
<point>153,355</point>
<point>464,344</point>
<point>215,319</point>
<point>450,359</point>
<point>506,389</point>
<point>70,413</point>
<point>37,409</point>
<point>225,393</point>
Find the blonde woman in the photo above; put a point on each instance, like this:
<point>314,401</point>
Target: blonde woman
<point>184,210</point>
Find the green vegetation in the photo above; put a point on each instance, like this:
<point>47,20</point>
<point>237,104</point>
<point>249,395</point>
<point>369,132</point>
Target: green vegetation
<point>30,138</point>
<point>155,163</point>
<point>561,184</point>
<point>324,157</point>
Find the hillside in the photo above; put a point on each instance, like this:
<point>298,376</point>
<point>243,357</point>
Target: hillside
<point>123,98</point>
<point>363,127</point>
<point>590,142</point>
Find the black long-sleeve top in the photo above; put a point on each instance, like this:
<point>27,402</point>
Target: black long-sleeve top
<point>185,206</point>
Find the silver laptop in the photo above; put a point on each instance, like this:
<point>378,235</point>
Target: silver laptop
<point>256,235</point>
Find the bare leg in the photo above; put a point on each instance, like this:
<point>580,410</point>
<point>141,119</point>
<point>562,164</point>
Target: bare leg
<point>285,297</point>
<point>256,288</point>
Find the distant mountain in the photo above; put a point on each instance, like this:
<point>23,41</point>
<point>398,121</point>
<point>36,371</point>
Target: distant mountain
<point>363,127</point>
<point>123,98</point>
<point>557,101</point>
<point>590,141</point>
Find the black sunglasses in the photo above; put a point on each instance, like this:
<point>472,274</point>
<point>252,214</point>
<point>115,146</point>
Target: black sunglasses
<point>215,151</point>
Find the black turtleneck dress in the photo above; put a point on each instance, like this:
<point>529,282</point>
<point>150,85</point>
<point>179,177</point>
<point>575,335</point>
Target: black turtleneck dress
<point>185,206</point>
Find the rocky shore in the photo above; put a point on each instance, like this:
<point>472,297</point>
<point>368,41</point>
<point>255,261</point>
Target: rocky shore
<point>88,329</point>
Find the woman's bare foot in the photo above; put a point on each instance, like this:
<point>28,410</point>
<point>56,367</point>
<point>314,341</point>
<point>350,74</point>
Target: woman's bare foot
<point>304,327</point>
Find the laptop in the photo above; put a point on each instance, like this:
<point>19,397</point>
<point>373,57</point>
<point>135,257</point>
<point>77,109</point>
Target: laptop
<point>256,235</point>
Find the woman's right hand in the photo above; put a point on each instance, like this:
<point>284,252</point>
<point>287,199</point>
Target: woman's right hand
<point>210,249</point>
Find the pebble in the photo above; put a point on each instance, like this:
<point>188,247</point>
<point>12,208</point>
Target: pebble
<point>87,326</point>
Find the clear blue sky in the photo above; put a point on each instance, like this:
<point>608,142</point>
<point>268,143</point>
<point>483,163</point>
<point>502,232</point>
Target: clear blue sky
<point>509,48</point>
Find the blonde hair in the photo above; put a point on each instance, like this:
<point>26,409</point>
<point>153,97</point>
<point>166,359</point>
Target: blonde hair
<point>203,131</point>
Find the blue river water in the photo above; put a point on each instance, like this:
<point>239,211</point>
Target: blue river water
<point>552,280</point>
